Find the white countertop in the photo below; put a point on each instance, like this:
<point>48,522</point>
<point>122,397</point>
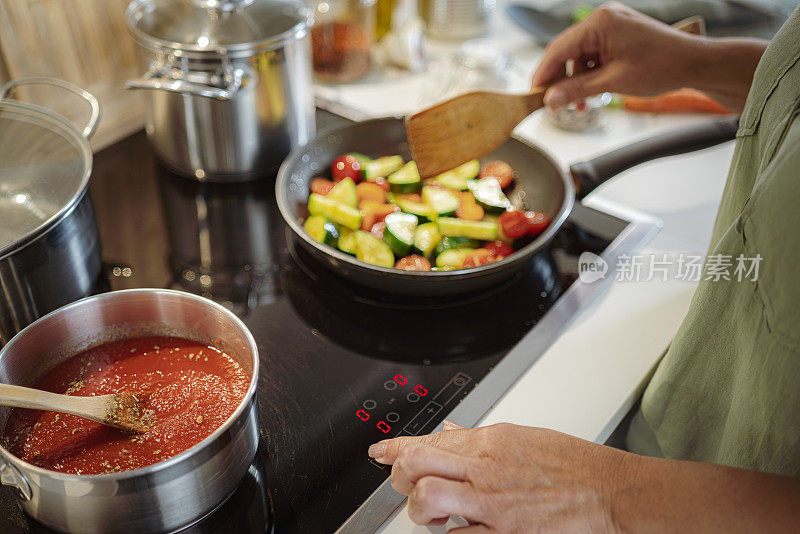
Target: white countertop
<point>590,377</point>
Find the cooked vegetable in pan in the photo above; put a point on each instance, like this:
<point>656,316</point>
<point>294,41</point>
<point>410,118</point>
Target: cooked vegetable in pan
<point>382,212</point>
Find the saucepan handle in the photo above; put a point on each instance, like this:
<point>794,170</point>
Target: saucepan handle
<point>91,124</point>
<point>590,174</point>
<point>172,80</point>
<point>10,476</point>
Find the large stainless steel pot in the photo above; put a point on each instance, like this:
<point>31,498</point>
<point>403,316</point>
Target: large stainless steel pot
<point>49,242</point>
<point>161,497</point>
<point>229,83</point>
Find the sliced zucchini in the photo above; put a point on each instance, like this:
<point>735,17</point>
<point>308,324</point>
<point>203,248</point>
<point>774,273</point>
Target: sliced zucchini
<point>444,203</point>
<point>372,250</point>
<point>362,159</point>
<point>381,167</point>
<point>448,243</point>
<point>452,259</point>
<point>459,177</point>
<point>321,230</point>
<point>334,211</point>
<point>399,233</point>
<point>482,230</point>
<point>345,192</point>
<point>347,240</point>
<point>423,212</point>
<point>406,179</point>
<point>489,195</point>
<point>426,238</point>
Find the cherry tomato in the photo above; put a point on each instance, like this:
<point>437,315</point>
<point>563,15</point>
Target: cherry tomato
<point>537,222</point>
<point>478,257</point>
<point>377,229</point>
<point>414,262</point>
<point>514,223</point>
<point>321,186</point>
<point>500,170</point>
<point>346,166</point>
<point>499,249</point>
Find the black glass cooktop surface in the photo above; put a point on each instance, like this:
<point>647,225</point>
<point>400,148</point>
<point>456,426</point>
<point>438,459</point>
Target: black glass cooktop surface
<point>341,366</point>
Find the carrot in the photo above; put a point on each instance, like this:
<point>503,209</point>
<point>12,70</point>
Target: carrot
<point>321,186</point>
<point>372,212</point>
<point>681,100</point>
<point>370,191</point>
<point>468,209</point>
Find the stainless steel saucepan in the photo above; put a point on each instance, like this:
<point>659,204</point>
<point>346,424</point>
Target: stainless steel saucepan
<point>162,497</point>
<point>541,184</point>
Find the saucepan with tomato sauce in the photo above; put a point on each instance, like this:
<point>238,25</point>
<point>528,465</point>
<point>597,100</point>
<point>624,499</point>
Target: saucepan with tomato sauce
<point>356,202</point>
<point>194,367</point>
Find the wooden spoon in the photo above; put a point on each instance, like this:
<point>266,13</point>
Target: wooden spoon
<point>119,410</point>
<point>466,127</point>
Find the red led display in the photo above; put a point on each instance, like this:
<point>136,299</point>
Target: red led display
<point>361,414</point>
<point>400,379</point>
<point>421,391</point>
<point>383,427</point>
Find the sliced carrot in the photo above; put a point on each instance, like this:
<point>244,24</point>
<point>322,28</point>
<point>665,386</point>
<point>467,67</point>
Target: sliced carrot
<point>370,191</point>
<point>372,213</point>
<point>681,100</point>
<point>321,186</point>
<point>382,182</point>
<point>468,209</point>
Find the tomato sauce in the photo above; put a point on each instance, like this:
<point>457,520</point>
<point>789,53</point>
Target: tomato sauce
<point>189,389</point>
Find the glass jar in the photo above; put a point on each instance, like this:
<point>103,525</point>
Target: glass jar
<point>342,39</point>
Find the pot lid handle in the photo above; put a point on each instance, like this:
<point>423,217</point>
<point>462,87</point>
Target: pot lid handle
<point>94,117</point>
<point>222,5</point>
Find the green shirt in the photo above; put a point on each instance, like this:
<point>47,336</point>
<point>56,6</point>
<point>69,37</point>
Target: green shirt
<point>728,388</point>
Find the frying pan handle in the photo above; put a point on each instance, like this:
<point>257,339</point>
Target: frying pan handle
<point>590,174</point>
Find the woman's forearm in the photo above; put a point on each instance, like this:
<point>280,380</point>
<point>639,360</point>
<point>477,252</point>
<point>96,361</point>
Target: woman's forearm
<point>723,68</point>
<point>655,495</point>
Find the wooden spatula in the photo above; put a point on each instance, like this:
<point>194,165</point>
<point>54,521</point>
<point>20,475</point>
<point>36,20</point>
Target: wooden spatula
<point>120,410</point>
<point>466,127</point>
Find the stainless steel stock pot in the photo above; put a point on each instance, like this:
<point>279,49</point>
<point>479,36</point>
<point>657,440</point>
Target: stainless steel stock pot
<point>229,83</point>
<point>49,240</point>
<point>161,497</point>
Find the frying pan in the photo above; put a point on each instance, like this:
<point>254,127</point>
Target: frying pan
<point>540,184</point>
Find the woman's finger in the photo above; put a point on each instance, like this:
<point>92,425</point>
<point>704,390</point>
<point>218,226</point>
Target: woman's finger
<point>472,529</point>
<point>583,85</point>
<point>435,498</point>
<point>420,460</point>
<point>386,451</point>
<point>576,42</point>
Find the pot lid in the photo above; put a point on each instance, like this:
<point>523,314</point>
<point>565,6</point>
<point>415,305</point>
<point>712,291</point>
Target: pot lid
<point>217,25</point>
<point>45,164</point>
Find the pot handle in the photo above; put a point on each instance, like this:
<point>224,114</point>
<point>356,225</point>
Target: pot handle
<point>10,476</point>
<point>91,124</point>
<point>590,174</point>
<point>160,80</point>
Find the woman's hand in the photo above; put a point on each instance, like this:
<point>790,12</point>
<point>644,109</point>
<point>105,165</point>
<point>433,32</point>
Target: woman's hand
<point>505,478</point>
<point>621,50</point>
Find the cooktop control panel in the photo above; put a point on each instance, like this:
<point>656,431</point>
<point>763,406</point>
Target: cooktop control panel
<point>405,406</point>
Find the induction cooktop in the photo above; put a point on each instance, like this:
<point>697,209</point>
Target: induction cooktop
<point>341,366</point>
